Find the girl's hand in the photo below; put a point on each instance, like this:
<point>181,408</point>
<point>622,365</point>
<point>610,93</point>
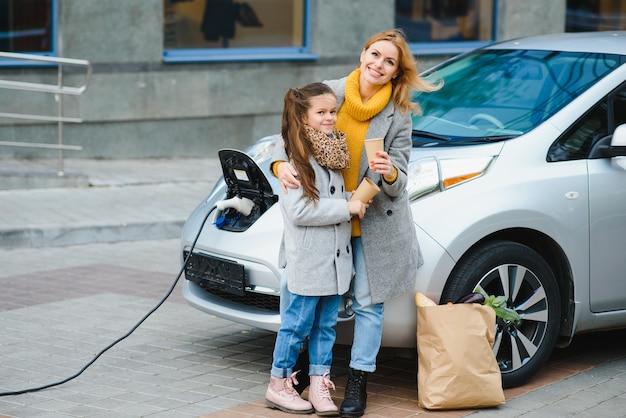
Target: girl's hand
<point>287,176</point>
<point>382,165</point>
<point>357,208</point>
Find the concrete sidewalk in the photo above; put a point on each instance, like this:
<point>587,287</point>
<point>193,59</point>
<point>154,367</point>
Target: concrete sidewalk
<point>122,200</point>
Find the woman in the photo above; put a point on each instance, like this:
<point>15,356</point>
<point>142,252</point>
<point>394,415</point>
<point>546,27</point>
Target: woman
<point>375,102</point>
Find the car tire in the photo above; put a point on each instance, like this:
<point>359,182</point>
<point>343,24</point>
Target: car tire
<point>525,278</point>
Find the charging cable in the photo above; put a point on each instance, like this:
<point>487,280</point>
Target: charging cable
<point>169,292</point>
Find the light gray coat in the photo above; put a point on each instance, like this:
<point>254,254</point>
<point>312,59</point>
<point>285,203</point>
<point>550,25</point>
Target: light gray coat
<point>390,246</point>
<point>316,243</point>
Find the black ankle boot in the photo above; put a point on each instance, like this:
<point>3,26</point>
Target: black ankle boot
<point>355,400</point>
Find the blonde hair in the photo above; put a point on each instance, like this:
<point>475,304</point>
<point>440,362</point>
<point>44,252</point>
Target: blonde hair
<point>297,143</point>
<point>408,77</point>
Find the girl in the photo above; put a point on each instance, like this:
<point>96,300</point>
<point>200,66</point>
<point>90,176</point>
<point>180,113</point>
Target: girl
<point>316,252</point>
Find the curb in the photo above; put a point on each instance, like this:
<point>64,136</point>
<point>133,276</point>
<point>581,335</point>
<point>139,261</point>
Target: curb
<point>92,234</point>
<point>21,180</point>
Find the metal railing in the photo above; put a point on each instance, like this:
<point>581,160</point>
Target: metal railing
<point>59,90</point>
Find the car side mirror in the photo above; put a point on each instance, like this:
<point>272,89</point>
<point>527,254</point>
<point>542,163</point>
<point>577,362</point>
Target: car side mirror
<point>617,150</point>
<point>619,136</point>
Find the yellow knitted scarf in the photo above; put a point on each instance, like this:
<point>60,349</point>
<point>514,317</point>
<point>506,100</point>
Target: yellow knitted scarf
<point>353,119</point>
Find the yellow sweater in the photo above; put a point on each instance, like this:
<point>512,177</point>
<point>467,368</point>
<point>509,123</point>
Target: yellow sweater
<point>354,118</point>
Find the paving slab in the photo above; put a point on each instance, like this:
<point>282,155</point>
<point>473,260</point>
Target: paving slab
<point>81,266</point>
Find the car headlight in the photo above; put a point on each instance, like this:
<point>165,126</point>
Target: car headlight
<point>262,149</point>
<point>430,174</point>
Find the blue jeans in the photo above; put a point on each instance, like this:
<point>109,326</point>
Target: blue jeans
<point>314,317</point>
<point>368,317</point>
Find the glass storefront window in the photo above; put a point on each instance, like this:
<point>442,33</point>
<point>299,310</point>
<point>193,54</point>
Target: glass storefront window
<point>26,26</point>
<point>437,24</point>
<point>217,30</point>
<point>595,15</point>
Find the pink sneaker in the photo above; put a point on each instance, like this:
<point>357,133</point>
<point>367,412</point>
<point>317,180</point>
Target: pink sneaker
<point>280,394</point>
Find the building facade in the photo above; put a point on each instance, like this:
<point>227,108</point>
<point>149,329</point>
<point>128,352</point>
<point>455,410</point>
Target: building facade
<point>160,89</point>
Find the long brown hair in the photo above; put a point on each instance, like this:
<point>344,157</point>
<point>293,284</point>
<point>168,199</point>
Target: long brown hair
<point>297,143</point>
<point>408,77</point>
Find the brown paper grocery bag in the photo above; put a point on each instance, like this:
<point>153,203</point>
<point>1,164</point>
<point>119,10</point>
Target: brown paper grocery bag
<point>456,367</point>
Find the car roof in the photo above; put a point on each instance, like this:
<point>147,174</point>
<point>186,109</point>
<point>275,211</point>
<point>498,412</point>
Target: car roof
<point>610,42</point>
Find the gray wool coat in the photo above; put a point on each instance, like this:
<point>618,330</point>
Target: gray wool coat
<point>316,244</point>
<point>391,251</point>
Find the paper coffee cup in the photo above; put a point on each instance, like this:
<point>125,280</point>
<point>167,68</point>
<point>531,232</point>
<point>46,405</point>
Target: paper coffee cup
<point>366,190</point>
<point>371,146</point>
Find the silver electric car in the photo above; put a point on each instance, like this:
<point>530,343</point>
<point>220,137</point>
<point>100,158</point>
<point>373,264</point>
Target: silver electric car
<point>517,183</point>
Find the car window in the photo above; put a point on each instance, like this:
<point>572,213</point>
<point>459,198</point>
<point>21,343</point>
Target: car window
<point>598,123</point>
<point>619,108</point>
<point>503,93</point>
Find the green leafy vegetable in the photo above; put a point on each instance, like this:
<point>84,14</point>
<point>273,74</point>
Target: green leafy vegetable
<point>498,303</point>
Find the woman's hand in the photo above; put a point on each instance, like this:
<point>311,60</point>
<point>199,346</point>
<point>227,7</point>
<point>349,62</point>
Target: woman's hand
<point>287,176</point>
<point>383,165</point>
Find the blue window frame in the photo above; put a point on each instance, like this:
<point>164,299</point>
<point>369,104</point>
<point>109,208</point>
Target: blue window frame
<point>446,26</point>
<point>236,30</point>
<point>27,27</point>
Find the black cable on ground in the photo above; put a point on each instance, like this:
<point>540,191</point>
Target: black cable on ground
<point>169,292</point>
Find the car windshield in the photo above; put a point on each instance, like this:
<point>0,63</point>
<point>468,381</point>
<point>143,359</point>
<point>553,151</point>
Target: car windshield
<point>493,95</point>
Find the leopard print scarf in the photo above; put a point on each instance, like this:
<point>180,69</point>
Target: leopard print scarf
<point>330,151</point>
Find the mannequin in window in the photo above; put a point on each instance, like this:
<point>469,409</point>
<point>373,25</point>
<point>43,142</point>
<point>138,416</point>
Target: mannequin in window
<point>220,17</point>
<point>219,21</point>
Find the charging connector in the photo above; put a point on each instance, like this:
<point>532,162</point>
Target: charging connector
<point>240,204</point>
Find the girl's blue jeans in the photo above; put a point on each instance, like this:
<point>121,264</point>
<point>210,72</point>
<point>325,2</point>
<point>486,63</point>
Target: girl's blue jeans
<point>314,317</point>
<point>368,317</point>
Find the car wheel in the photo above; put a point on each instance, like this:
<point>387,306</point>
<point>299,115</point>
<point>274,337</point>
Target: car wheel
<point>523,276</point>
